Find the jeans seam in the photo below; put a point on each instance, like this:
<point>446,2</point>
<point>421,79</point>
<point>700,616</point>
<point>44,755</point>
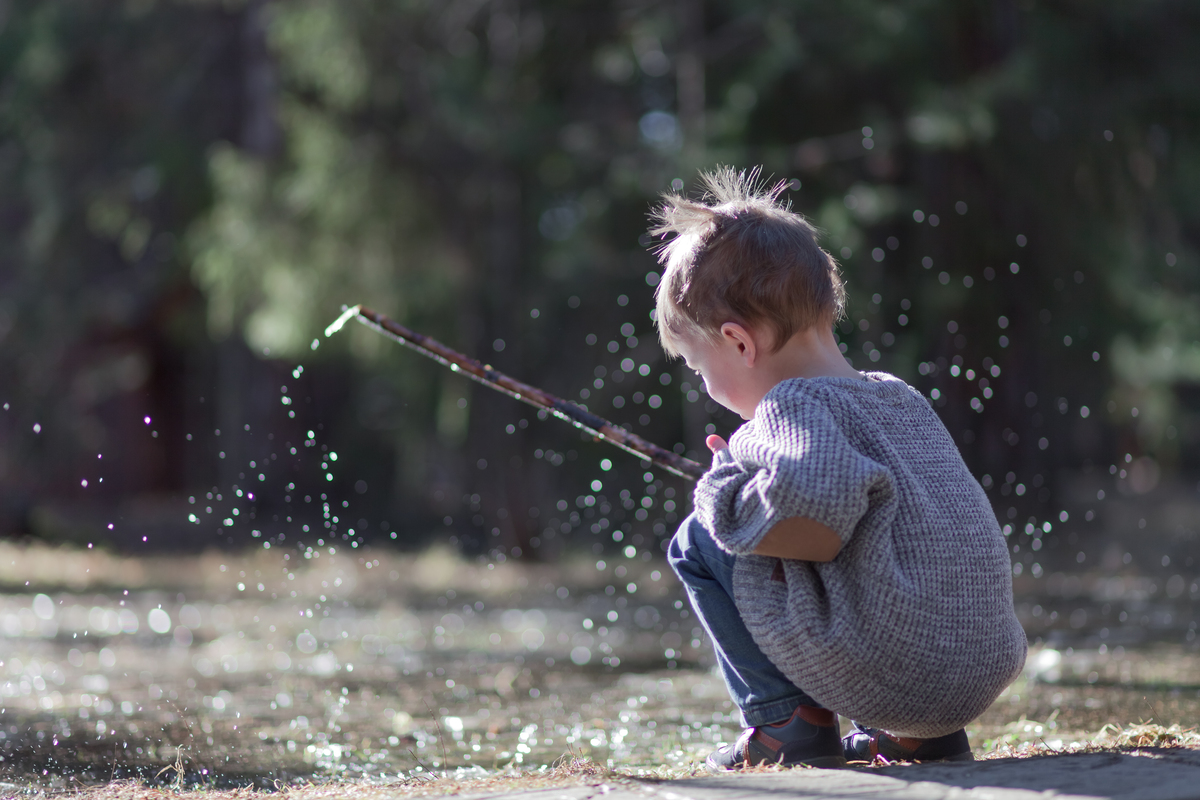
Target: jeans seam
<point>775,711</point>
<point>761,692</point>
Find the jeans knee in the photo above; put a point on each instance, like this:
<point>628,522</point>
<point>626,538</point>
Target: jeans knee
<point>677,550</point>
<point>693,554</point>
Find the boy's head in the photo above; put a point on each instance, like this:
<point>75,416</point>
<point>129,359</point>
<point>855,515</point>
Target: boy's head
<point>740,255</point>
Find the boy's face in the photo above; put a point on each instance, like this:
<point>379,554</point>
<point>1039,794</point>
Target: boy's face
<point>724,371</point>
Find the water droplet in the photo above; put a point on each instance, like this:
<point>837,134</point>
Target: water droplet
<point>159,621</point>
<point>37,427</point>
<point>83,483</point>
<point>43,606</point>
<point>146,420</point>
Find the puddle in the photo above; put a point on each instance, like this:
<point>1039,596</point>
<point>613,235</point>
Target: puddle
<point>354,664</point>
<point>278,666</point>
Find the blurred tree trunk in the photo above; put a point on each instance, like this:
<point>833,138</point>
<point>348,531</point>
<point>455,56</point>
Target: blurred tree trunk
<point>259,136</point>
<point>499,250</point>
<point>260,133</point>
<point>689,71</point>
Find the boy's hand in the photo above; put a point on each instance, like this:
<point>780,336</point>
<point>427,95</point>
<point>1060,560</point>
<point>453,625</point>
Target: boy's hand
<point>798,538</point>
<point>716,443</point>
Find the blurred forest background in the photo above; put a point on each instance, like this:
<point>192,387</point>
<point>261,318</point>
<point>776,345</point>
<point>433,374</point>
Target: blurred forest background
<point>191,189</point>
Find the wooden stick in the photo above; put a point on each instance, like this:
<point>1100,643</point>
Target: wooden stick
<point>581,418</point>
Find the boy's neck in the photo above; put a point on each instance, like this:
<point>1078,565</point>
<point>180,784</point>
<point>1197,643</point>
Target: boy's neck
<point>810,353</point>
<point>739,369</point>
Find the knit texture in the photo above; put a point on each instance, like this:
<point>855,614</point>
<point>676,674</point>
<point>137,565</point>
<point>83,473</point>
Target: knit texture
<point>911,627</point>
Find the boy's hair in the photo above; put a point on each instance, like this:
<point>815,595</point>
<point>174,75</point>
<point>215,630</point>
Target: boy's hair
<point>738,254</point>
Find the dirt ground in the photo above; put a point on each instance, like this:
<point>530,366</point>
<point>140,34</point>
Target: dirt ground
<point>358,669</point>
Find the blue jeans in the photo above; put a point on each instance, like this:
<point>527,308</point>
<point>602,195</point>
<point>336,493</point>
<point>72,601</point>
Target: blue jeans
<point>759,690</point>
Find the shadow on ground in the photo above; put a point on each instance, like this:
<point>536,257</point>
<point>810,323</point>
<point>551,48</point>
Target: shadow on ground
<point>1161,774</point>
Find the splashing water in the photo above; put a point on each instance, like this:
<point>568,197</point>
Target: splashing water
<point>313,654</point>
<point>366,665</point>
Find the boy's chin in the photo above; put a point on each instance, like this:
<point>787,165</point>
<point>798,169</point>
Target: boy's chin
<point>746,415</point>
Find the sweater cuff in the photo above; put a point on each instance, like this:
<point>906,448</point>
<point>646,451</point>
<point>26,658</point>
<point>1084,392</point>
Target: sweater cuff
<point>743,541</point>
<point>721,458</point>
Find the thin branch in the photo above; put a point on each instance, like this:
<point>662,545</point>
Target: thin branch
<point>565,410</point>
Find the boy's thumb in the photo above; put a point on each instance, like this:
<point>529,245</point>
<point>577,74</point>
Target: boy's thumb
<point>716,443</point>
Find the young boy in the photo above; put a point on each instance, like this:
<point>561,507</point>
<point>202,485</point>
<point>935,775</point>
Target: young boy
<point>841,557</point>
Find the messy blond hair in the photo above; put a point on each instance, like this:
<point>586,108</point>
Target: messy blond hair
<point>739,254</point>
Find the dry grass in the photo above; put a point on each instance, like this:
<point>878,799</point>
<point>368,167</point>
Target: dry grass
<point>570,771</point>
<point>29,567</point>
<point>573,772</point>
<point>1147,735</point>
<point>1110,739</point>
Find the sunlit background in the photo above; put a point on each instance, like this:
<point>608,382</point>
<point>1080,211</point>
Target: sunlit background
<point>201,493</point>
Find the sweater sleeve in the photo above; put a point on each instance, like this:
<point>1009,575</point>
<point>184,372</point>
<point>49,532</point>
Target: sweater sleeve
<point>791,460</point>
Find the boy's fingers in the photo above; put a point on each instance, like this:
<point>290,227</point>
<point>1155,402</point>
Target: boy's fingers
<point>716,443</point>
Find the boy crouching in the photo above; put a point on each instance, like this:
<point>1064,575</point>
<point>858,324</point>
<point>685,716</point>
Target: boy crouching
<point>841,556</point>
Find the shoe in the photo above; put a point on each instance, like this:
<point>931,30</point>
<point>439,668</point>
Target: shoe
<point>866,744</point>
<point>810,737</point>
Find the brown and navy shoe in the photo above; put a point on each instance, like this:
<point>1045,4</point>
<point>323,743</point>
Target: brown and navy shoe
<point>870,744</point>
<point>810,737</point>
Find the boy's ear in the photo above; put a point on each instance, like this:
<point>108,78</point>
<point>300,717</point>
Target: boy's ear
<point>743,339</point>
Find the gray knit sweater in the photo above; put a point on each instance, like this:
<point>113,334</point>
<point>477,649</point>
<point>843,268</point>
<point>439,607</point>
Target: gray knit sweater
<point>911,627</point>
